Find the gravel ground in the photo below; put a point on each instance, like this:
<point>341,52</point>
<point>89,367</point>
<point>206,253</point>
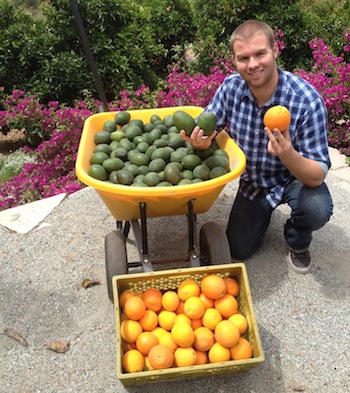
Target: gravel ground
<point>303,320</point>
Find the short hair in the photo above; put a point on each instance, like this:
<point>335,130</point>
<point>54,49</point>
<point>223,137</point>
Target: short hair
<point>249,28</point>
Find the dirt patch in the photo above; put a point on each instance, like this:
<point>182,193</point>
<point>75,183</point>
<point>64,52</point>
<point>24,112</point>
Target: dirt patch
<point>12,141</point>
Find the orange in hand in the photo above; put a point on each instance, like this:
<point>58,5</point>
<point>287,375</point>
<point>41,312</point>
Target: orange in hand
<point>277,117</point>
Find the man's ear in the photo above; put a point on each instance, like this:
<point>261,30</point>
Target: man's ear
<point>234,60</point>
<point>275,50</point>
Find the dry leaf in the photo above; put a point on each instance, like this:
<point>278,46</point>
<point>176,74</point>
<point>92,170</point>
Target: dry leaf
<point>58,346</point>
<point>299,389</point>
<point>87,283</point>
<point>17,336</point>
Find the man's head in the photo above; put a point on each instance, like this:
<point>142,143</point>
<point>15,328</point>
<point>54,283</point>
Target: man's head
<point>248,29</point>
<point>254,53</point>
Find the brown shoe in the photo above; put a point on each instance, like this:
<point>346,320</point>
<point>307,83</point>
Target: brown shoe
<point>300,261</point>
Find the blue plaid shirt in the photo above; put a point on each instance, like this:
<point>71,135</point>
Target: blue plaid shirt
<point>234,106</point>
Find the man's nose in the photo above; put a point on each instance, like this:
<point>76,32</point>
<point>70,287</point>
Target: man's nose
<point>253,62</point>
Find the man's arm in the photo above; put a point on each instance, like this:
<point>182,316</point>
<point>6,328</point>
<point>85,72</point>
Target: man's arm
<point>307,171</point>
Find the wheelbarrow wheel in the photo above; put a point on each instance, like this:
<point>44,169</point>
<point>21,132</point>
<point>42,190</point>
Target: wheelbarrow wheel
<point>115,258</point>
<point>214,246</point>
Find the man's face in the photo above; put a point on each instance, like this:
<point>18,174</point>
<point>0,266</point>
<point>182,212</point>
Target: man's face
<point>255,60</point>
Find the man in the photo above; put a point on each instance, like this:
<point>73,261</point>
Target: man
<point>282,167</point>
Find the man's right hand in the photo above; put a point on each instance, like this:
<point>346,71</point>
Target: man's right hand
<point>197,138</point>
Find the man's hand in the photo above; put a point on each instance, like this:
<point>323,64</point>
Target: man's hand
<point>197,138</point>
<point>279,142</point>
<point>308,171</point>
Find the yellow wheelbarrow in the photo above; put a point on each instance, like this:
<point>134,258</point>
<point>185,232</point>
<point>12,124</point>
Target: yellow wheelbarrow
<point>132,206</point>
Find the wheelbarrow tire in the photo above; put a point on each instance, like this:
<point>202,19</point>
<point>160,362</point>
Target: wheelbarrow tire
<point>214,246</point>
<point>115,258</point>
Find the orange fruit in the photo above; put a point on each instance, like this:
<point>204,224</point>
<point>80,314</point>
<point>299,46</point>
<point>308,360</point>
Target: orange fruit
<point>134,308</point>
<point>180,309</point>
<point>226,305</point>
<point>183,334</point>
<point>188,288</point>
<point>158,331</point>
<point>194,307</point>
<point>211,318</point>
<point>213,286</point>
<point>218,353</point>
<point>240,321</point>
<point>166,319</point>
<point>202,357</point>
<point>277,116</point>
<point>167,339</point>
<point>226,333</point>
<point>133,361</point>
<point>232,286</point>
<point>203,339</point>
<point>183,318</point>
<point>208,303</point>
<point>149,321</point>
<point>160,357</point>
<point>124,296</point>
<point>152,298</point>
<point>185,357</point>
<point>242,350</point>
<point>145,341</point>
<point>148,366</point>
<point>196,323</point>
<point>170,301</point>
<point>130,330</point>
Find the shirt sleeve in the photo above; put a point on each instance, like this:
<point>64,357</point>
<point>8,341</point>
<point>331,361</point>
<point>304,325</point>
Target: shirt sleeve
<point>218,104</point>
<point>311,137</point>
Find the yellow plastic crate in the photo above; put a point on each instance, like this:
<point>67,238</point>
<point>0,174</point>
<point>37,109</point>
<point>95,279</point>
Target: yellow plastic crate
<point>170,279</point>
<point>123,201</point>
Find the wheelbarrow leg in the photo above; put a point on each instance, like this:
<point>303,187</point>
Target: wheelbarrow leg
<point>123,226</point>
<point>192,236</point>
<point>140,232</point>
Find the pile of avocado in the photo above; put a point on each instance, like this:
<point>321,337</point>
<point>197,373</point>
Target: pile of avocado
<point>153,154</point>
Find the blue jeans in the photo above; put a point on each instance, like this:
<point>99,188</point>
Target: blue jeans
<point>249,220</point>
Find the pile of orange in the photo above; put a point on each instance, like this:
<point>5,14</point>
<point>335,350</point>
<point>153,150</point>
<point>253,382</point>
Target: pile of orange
<point>197,323</point>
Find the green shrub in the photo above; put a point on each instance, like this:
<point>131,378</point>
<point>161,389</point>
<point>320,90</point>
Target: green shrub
<point>328,20</point>
<point>135,42</point>
<point>171,22</point>
<point>49,56</point>
<point>17,32</point>
<point>217,19</point>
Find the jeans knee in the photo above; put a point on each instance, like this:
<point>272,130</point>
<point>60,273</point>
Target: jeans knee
<point>316,206</point>
<point>241,250</point>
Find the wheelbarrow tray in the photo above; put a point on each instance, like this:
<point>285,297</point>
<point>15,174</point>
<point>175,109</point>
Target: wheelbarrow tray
<point>123,202</point>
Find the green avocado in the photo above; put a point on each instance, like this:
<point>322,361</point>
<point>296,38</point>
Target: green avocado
<point>207,122</point>
<point>184,121</point>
